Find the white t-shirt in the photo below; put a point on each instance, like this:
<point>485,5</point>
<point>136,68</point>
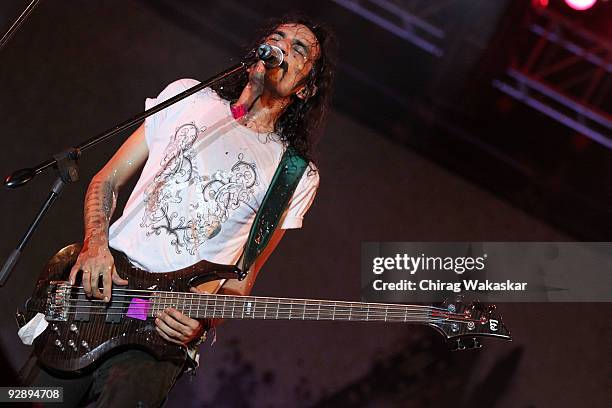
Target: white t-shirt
<point>201,185</point>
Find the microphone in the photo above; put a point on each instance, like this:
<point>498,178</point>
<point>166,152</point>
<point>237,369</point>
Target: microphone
<point>271,55</point>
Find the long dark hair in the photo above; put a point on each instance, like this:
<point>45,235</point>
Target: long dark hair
<point>301,124</point>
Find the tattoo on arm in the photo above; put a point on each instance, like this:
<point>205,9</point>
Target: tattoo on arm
<point>100,202</point>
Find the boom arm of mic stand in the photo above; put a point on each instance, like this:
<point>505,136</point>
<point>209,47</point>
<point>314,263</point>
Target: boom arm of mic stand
<point>20,20</point>
<point>21,177</point>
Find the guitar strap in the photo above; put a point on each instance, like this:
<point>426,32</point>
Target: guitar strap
<point>285,181</point>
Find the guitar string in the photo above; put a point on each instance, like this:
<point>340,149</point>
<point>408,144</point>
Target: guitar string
<point>239,300</point>
<point>393,319</point>
<point>262,315</point>
<point>187,296</point>
<point>196,295</point>
<point>213,303</point>
<point>228,313</point>
<point>220,314</point>
<point>279,310</point>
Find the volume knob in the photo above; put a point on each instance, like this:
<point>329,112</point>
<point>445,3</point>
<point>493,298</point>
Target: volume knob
<point>59,344</point>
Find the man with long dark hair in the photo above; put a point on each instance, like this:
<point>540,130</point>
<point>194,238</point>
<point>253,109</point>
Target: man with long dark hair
<point>208,161</point>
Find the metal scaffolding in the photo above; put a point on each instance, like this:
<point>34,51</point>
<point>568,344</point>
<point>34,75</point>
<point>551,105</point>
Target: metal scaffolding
<point>403,22</point>
<point>566,75</point>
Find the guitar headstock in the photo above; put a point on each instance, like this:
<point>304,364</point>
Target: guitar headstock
<point>463,324</point>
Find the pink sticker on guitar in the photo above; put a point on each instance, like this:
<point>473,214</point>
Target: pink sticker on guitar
<point>139,308</point>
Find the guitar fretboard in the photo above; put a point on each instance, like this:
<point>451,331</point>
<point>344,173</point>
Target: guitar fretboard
<point>205,306</point>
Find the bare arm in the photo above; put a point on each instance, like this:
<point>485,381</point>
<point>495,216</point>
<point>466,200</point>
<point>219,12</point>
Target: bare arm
<point>95,259</point>
<point>244,287</point>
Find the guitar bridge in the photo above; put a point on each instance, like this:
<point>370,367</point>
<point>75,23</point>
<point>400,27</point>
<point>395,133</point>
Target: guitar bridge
<point>58,301</point>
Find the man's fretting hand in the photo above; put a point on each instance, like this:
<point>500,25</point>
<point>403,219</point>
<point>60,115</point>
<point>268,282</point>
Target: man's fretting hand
<point>176,327</point>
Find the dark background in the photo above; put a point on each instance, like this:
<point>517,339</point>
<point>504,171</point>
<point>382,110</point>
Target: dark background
<point>418,148</point>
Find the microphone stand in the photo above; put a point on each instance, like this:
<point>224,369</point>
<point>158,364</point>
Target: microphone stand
<point>65,163</point>
<point>20,20</point>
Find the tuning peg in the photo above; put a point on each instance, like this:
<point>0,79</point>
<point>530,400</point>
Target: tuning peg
<point>476,344</point>
<point>491,309</point>
<point>458,345</point>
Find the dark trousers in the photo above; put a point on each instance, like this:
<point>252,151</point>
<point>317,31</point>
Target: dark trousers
<point>132,378</point>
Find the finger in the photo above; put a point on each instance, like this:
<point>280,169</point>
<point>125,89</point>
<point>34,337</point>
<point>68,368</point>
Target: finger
<point>184,319</point>
<point>165,336</point>
<point>73,273</point>
<point>95,291</point>
<point>169,330</point>
<point>108,284</point>
<point>194,289</point>
<point>86,281</point>
<point>175,324</point>
<point>118,279</point>
<point>260,66</point>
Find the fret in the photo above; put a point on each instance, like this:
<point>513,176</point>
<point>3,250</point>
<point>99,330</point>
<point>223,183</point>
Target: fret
<point>254,306</point>
<point>277,307</point>
<point>350,306</point>
<point>368,313</point>
<point>223,309</point>
<point>247,307</point>
<point>265,308</point>
<point>290,308</point>
<point>386,310</point>
<point>233,304</point>
<point>405,314</point>
<point>304,309</point>
<point>318,310</point>
<point>206,307</point>
<point>334,311</point>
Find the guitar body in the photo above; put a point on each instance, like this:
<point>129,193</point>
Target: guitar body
<point>78,337</point>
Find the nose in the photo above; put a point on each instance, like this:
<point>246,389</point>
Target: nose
<point>282,44</point>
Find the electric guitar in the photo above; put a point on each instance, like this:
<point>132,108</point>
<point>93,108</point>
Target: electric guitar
<point>81,330</point>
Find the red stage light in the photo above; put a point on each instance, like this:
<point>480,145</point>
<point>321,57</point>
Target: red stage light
<point>539,3</point>
<point>580,4</point>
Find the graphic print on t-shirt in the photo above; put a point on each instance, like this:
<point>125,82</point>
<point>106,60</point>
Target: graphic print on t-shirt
<point>188,207</point>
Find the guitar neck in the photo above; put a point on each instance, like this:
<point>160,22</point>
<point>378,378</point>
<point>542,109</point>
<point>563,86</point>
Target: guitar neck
<point>205,306</point>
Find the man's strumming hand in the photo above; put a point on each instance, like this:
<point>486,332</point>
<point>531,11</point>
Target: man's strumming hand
<point>95,260</point>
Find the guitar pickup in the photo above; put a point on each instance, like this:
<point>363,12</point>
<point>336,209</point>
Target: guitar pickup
<point>115,309</point>
<point>82,308</point>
